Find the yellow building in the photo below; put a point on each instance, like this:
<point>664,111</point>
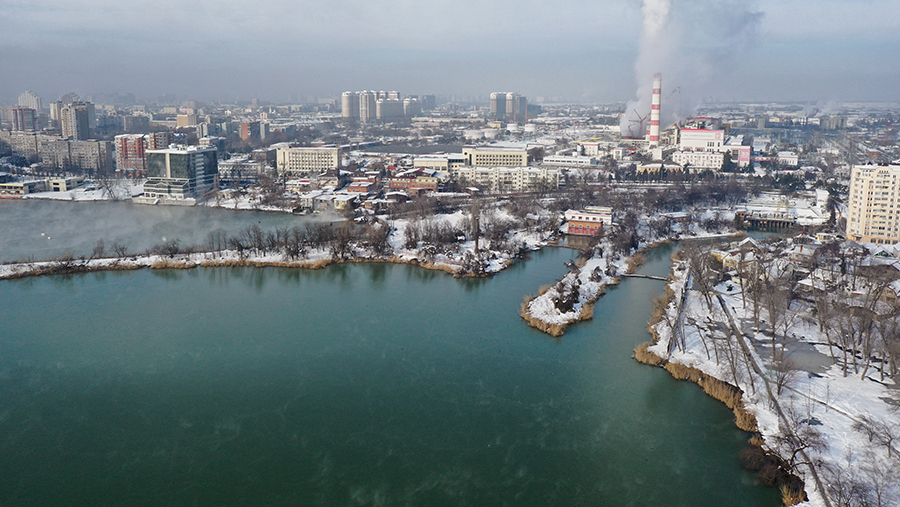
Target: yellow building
<point>307,160</point>
<point>495,157</point>
<point>874,204</point>
<point>64,184</point>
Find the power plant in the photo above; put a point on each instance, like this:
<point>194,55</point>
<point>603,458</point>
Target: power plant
<point>654,111</point>
<point>637,127</point>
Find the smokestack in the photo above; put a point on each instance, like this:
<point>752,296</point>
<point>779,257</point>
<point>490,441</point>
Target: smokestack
<point>654,111</point>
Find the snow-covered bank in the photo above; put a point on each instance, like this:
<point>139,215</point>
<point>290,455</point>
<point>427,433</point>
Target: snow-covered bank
<point>571,299</point>
<point>377,242</point>
<point>835,432</point>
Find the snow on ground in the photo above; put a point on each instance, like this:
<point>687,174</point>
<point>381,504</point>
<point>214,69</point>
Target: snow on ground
<point>592,278</point>
<point>494,261</point>
<point>819,396</point>
<point>123,189</point>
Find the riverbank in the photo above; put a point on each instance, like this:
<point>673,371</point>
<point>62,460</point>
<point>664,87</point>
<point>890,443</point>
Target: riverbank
<point>807,419</point>
<point>379,242</point>
<point>571,299</point>
<point>756,456</point>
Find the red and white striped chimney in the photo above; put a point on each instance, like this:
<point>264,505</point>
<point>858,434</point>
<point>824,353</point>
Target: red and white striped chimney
<point>654,110</point>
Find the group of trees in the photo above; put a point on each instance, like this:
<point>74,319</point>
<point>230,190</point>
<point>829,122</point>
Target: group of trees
<point>342,241</point>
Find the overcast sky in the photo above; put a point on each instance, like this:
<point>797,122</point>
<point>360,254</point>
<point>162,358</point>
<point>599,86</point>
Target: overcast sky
<point>818,50</point>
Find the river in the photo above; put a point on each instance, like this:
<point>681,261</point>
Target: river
<point>354,385</point>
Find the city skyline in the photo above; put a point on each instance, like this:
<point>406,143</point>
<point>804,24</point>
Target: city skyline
<point>795,50</point>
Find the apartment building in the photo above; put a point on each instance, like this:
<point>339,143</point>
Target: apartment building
<point>874,204</point>
<point>307,160</point>
<point>131,149</point>
<point>511,179</point>
<point>495,157</point>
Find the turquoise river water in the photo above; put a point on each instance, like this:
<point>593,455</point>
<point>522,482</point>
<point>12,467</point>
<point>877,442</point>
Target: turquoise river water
<point>354,385</point>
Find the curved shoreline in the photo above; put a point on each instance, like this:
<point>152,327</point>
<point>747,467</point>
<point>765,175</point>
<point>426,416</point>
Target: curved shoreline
<point>792,487</point>
<point>586,311</point>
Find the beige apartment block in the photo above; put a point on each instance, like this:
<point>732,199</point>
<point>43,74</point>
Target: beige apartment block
<point>874,204</point>
<point>307,160</point>
<point>495,157</point>
<point>510,179</point>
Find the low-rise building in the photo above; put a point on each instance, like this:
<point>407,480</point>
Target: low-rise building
<point>446,163</point>
<point>360,187</point>
<point>240,169</point>
<point>64,184</point>
<point>570,161</point>
<point>699,159</point>
<point>418,180</point>
<point>511,179</point>
<point>19,188</point>
<point>590,221</point>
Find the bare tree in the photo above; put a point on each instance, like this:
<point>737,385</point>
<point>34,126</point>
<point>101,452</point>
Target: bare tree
<point>785,373</point>
<point>703,274</point>
<point>98,250</point>
<point>119,249</point>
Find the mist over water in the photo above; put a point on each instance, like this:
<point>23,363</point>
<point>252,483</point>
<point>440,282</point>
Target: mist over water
<point>44,229</point>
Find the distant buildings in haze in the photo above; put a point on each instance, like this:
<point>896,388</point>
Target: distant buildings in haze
<point>367,106</point>
<point>509,106</point>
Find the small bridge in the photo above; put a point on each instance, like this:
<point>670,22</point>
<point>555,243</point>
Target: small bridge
<point>649,277</point>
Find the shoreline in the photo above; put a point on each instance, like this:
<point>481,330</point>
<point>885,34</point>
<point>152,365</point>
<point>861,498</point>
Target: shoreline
<point>758,456</point>
<point>16,271</point>
<point>587,304</point>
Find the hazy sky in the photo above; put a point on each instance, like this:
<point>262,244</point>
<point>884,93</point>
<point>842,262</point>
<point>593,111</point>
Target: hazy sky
<point>819,50</point>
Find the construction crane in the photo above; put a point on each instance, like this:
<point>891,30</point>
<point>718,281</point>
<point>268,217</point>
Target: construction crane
<point>639,120</point>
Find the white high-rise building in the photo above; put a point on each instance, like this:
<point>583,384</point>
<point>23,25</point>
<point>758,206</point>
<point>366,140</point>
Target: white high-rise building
<point>350,105</point>
<point>367,102</point>
<point>509,106</point>
<point>30,100</point>
<point>874,204</point>
<point>388,109</point>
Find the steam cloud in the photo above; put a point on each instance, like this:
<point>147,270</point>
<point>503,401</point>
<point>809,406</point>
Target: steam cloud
<point>693,43</point>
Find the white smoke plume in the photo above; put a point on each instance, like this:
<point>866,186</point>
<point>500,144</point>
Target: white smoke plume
<point>694,44</point>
